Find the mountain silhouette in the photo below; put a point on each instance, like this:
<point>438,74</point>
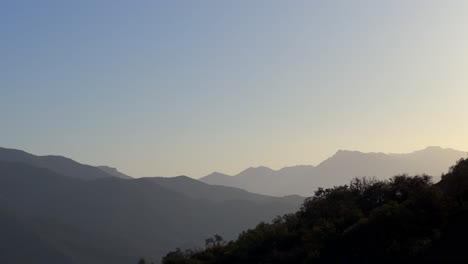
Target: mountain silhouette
<point>61,165</point>
<point>217,193</point>
<point>60,219</point>
<point>337,170</point>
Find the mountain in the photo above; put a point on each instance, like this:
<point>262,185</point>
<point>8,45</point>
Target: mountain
<point>337,170</point>
<point>114,172</point>
<point>58,219</point>
<point>20,242</point>
<point>61,165</point>
<point>217,178</point>
<point>217,193</point>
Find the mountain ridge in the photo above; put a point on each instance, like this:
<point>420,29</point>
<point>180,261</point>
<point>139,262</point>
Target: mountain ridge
<point>339,169</point>
<point>123,218</point>
<point>59,164</point>
<point>114,172</point>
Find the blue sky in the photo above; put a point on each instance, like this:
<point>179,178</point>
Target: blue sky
<point>191,87</point>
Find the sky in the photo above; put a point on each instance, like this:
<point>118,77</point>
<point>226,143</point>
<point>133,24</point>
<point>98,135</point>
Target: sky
<point>164,88</point>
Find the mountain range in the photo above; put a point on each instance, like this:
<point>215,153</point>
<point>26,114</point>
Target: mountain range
<point>61,165</point>
<point>55,210</point>
<point>337,170</point>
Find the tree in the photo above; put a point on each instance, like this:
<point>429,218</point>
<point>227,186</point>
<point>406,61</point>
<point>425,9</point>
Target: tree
<point>209,242</point>
<point>219,241</point>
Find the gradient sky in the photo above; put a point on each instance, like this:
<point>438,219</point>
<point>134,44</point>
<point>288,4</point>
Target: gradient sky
<point>191,87</point>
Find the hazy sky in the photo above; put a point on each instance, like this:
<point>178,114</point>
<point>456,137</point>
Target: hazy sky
<point>191,87</point>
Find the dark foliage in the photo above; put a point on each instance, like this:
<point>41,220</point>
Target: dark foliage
<point>399,220</point>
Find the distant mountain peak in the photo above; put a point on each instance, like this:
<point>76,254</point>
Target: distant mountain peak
<point>345,151</point>
<point>434,147</point>
<point>438,149</point>
<point>259,170</point>
<point>356,152</point>
<point>262,168</point>
<point>342,154</point>
<point>182,177</point>
<point>217,174</point>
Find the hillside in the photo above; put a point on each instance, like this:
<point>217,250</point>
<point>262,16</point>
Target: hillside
<point>401,220</point>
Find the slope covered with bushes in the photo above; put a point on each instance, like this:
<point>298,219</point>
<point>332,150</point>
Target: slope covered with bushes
<point>402,219</point>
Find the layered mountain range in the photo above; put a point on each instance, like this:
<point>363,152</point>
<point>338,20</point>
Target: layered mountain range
<point>338,170</point>
<point>56,210</point>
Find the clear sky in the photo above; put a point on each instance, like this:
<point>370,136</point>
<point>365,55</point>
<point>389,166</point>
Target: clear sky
<point>190,87</point>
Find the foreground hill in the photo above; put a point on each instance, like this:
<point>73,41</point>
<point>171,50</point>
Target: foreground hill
<point>401,220</point>
<point>50,218</point>
<point>337,170</point>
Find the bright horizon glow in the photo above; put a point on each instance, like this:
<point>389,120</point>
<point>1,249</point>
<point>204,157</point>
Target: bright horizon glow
<point>188,88</point>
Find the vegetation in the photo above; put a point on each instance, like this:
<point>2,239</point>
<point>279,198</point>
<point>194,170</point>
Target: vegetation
<point>398,220</point>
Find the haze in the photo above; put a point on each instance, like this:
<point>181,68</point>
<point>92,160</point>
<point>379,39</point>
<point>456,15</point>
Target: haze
<point>194,87</point>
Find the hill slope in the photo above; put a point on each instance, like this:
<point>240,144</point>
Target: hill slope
<point>401,220</point>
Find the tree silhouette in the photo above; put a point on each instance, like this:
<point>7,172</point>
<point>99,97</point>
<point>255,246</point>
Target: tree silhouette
<point>219,241</point>
<point>209,242</point>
